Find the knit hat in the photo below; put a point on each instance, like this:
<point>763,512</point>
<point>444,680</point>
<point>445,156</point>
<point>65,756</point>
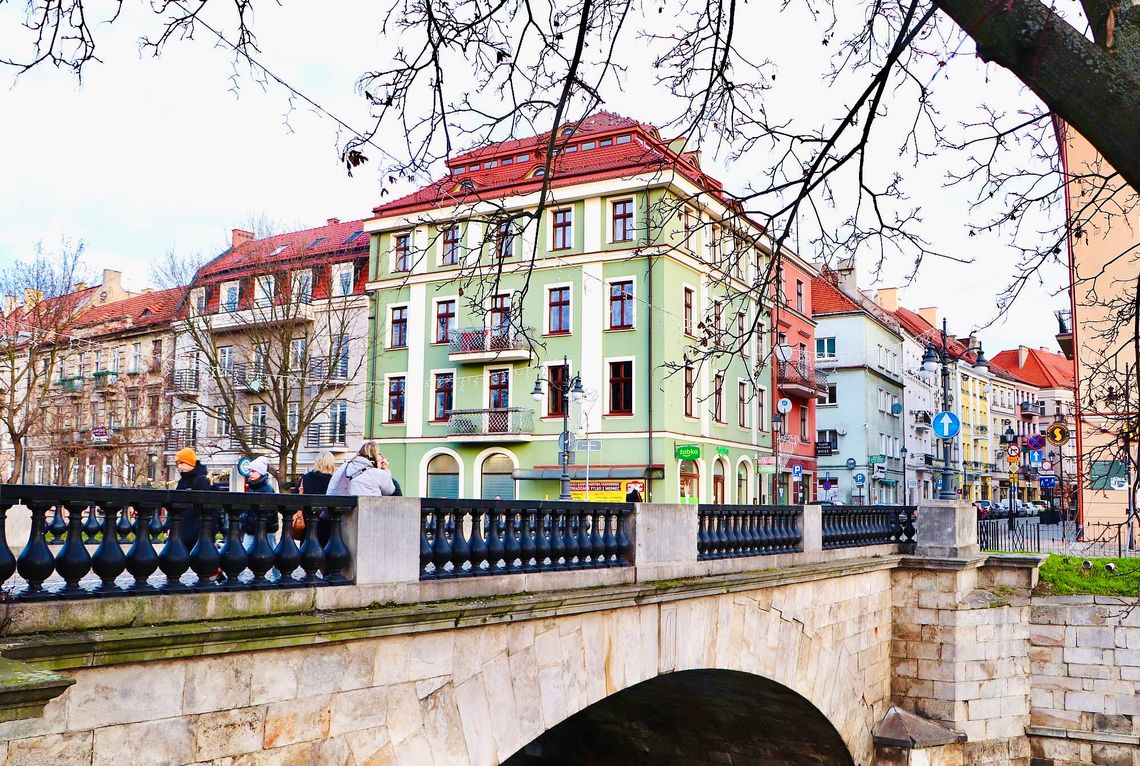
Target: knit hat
<point>186,455</point>
<point>259,464</point>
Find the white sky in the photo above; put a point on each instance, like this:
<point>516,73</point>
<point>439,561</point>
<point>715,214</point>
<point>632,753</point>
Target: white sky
<point>148,154</point>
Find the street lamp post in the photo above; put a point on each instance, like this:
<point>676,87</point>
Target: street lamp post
<point>903,453</point>
<point>777,429</point>
<point>569,389</point>
<point>1009,437</point>
<point>931,360</point>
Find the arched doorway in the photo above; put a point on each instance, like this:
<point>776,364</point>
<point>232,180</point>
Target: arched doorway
<point>443,477</point>
<point>689,482</point>
<point>683,717</point>
<point>496,478</point>
<point>742,483</point>
<point>718,483</point>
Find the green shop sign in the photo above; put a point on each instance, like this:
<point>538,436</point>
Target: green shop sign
<point>722,450</point>
<point>873,459</point>
<point>687,451</point>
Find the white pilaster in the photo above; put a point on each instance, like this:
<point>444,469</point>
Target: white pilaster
<point>414,395</point>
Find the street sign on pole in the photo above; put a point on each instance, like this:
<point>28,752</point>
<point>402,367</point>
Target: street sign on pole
<point>1046,466</point>
<point>797,471</point>
<point>1036,456</point>
<point>872,459</point>
<point>860,479</point>
<point>1057,434</point>
<point>946,425</point>
<point>588,445</point>
<point>850,464</point>
<point>1048,482</point>
<point>784,406</point>
<point>1035,442</point>
<point>1013,452</point>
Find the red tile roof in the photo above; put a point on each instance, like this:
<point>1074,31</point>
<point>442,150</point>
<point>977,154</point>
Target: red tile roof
<point>644,151</point>
<point>53,314</point>
<point>919,327</point>
<point>1041,368</point>
<point>146,310</point>
<point>826,298</point>
<point>320,244</point>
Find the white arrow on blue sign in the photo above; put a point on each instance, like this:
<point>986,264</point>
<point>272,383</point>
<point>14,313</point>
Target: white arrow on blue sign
<point>1036,456</point>
<point>860,479</point>
<point>946,425</point>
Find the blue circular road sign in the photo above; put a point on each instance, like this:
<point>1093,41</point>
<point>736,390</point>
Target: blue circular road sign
<point>850,464</point>
<point>243,465</point>
<point>860,479</point>
<point>947,425</point>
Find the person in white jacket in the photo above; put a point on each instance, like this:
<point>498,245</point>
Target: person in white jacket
<point>361,475</point>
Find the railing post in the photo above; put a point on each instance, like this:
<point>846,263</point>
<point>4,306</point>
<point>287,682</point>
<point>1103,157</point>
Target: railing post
<point>810,527</point>
<point>946,528</point>
<point>664,536</point>
<point>383,536</point>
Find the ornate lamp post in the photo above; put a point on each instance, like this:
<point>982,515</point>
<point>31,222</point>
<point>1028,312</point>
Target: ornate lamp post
<point>777,429</point>
<point>570,390</point>
<point>902,454</point>
<point>1009,437</point>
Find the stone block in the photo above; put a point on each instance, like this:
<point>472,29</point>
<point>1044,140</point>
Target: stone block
<point>1112,755</point>
<point>475,718</point>
<point>404,716</point>
<point>151,743</point>
<point>358,709</point>
<point>217,683</point>
<point>443,728</point>
<point>665,534</point>
<point>110,696</point>
<point>1128,704</point>
<point>1086,656</point>
<point>1095,672</point>
<point>273,675</point>
<point>73,748</point>
<point>1061,719</point>
<point>229,732</point>
<point>371,747</point>
<point>1128,657</point>
<point>1096,637</point>
<point>300,754</point>
<point>389,527</point>
<point>300,720</point>
<point>1088,702</point>
<point>982,709</point>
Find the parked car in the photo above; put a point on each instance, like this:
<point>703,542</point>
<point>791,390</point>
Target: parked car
<point>984,508</point>
<point>999,510</point>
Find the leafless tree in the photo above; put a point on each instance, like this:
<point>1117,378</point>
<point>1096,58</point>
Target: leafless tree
<point>43,308</point>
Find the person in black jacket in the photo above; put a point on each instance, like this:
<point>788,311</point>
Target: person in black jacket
<point>258,483</point>
<point>316,482</point>
<point>192,475</point>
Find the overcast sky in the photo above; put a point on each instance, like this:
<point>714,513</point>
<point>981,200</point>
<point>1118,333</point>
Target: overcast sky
<point>149,154</point>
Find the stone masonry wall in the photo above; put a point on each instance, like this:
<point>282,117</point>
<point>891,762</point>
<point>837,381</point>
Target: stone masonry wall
<point>470,696</point>
<point>1085,663</point>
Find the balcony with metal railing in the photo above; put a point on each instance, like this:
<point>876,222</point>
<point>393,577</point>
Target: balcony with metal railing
<point>922,419</point>
<point>326,435</point>
<point>1065,332</point>
<point>249,376</point>
<point>276,311</point>
<point>799,379</point>
<point>177,438</point>
<point>1032,409</point>
<point>254,435</point>
<point>482,344</point>
<point>327,371</point>
<point>493,424</point>
<point>185,382</point>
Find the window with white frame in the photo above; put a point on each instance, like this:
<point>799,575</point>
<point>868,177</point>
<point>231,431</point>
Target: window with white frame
<point>230,295</point>
<point>831,397</point>
<point>341,280</point>
<point>198,300</point>
<point>263,291</point>
<point>825,348</point>
<point>303,286</point>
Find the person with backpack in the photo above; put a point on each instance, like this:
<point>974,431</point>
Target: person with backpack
<point>361,475</point>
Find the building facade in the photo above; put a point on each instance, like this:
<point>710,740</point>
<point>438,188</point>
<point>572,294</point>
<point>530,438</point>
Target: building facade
<point>615,264</point>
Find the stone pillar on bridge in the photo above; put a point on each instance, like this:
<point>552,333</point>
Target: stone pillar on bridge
<point>960,644</point>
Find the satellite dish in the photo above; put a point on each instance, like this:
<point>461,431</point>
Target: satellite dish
<point>841,430</point>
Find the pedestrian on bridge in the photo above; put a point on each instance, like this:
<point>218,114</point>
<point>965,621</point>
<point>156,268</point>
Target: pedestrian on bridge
<point>258,483</point>
<point>362,476</point>
<point>192,474</point>
<point>316,482</point>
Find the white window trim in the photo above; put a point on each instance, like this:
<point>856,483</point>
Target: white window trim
<point>225,288</point>
<point>608,410</point>
<point>487,386</point>
<point>606,303</point>
<point>296,278</point>
<point>696,308</point>
<point>259,299</point>
<point>454,372</point>
<point>750,396</point>
<point>542,403</point>
<point>546,306</point>
<point>435,314</point>
<point>388,325</point>
<point>610,203</point>
<point>411,235</point>
<point>766,415</point>
<point>334,285</point>
<point>386,398</point>
<point>441,248</point>
<point>433,453</point>
<point>197,295</point>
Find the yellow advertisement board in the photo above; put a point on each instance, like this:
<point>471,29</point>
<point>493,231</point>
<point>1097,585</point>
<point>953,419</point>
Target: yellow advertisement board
<point>609,490</point>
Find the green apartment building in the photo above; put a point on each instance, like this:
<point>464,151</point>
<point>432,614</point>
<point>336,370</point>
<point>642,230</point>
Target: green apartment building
<point>612,260</point>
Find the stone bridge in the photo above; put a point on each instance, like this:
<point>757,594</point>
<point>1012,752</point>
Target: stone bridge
<point>808,656</point>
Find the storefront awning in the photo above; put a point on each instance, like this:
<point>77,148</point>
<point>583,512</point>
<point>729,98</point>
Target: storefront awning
<point>544,473</point>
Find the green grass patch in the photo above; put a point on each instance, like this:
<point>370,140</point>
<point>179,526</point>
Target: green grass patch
<point>1065,576</point>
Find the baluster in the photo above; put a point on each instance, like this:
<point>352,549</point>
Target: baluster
<point>426,523</point>
<point>597,539</point>
<point>794,536</point>
<point>58,526</point>
<point>73,562</point>
<point>109,560</point>
<point>702,534</point>
<point>91,526</point>
<point>479,550</point>
<point>337,556</point>
<point>752,540</point>
<point>767,531</point>
<point>739,541</point>
<point>174,560</point>
<point>260,559</point>
<point>286,556</point>
<point>312,556</point>
<point>460,549</point>
<point>204,557</point>
<point>495,551</point>
<point>512,550</point>
<point>154,527</point>
<point>542,551</point>
<point>233,557</point>
<point>558,558</point>
<point>623,545</point>
<point>611,519</point>
<point>440,547</point>
<point>723,538</point>
<point>908,528</point>
<point>528,549</point>
<point>142,561</point>
<point>123,525</point>
<point>585,548</point>
<point>570,540</point>
<point>7,560</point>
<point>35,563</point>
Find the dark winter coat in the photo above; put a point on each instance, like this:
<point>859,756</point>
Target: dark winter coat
<point>317,483</point>
<point>248,520</point>
<point>197,479</point>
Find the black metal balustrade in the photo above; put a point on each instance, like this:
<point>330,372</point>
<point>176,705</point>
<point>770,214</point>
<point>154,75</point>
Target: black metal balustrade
<point>75,572</point>
<point>465,538</point>
<point>732,531</point>
<point>861,525</point>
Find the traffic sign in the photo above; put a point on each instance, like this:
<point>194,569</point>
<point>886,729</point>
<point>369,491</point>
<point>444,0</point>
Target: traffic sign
<point>850,464</point>
<point>243,465</point>
<point>1118,482</point>
<point>1057,434</point>
<point>872,459</point>
<point>896,409</point>
<point>1046,466</point>
<point>860,479</point>
<point>1035,442</point>
<point>1048,482</point>
<point>1036,456</point>
<point>1013,451</point>
<point>564,440</point>
<point>946,425</point>
<point>588,445</point>
<point>784,406</point>
<point>797,471</point>
<point>827,483</point>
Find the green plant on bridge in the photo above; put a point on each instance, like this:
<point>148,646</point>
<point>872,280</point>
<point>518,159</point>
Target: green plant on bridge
<point>1066,576</point>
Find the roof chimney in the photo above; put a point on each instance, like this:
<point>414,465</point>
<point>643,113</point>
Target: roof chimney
<point>333,221</point>
<point>930,314</point>
<point>888,298</point>
<point>10,302</point>
<point>1022,355</point>
<point>112,281</point>
<point>240,237</point>
<point>32,297</point>
<point>79,287</point>
<point>848,278</point>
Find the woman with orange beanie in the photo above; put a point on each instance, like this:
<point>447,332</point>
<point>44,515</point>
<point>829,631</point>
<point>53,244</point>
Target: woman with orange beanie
<point>192,475</point>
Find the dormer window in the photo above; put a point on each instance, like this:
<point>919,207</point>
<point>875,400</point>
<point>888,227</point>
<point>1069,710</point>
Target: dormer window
<point>539,172</point>
<point>588,146</point>
<point>491,164</point>
<point>473,168</point>
<point>508,161</point>
<point>568,130</point>
<point>467,185</point>
<point>571,149</point>
<point>460,171</point>
<point>624,139</point>
<point>522,158</point>
<point>606,142</point>
<point>280,249</point>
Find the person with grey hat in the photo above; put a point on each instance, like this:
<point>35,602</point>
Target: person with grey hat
<point>258,482</point>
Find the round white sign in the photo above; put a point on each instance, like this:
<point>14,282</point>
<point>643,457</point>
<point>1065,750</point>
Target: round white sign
<point>784,406</point>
